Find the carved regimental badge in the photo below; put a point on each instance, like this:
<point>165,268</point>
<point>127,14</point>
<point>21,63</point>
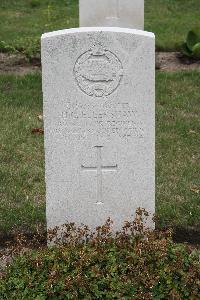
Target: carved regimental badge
<point>98,72</point>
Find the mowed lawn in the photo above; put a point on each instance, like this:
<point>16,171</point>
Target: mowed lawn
<point>22,189</point>
<point>23,21</point>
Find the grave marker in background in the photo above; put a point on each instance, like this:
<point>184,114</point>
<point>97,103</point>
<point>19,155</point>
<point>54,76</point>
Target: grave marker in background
<point>112,13</point>
<point>98,87</point>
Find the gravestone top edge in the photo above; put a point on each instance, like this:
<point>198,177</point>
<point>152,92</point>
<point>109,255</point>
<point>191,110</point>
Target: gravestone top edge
<point>98,29</point>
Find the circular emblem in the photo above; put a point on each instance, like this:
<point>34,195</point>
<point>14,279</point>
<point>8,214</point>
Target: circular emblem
<point>98,72</point>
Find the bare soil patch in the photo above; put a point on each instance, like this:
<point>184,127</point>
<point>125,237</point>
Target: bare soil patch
<point>165,61</point>
<point>17,64</point>
<point>174,62</point>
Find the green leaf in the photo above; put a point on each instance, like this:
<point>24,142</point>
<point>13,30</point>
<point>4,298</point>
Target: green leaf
<point>196,50</point>
<point>186,50</point>
<point>192,39</point>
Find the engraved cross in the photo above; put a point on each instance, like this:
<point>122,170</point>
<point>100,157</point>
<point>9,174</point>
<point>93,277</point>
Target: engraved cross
<point>99,169</point>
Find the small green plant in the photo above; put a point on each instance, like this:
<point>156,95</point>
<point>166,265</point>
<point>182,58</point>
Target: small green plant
<point>30,47</point>
<point>4,47</point>
<point>133,264</point>
<point>191,47</point>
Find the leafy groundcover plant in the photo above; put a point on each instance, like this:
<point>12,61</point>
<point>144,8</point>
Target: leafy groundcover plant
<point>191,47</point>
<point>133,264</point>
<point>29,47</point>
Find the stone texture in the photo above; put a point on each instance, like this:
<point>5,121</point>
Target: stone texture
<point>117,13</point>
<point>98,87</point>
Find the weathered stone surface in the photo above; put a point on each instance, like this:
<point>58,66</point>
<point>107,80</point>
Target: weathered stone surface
<point>117,13</point>
<point>98,87</point>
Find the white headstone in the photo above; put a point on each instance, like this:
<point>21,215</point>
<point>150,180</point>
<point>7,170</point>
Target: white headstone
<point>98,86</point>
<point>109,13</point>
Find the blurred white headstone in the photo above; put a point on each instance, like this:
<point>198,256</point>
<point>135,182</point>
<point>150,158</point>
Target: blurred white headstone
<point>112,13</point>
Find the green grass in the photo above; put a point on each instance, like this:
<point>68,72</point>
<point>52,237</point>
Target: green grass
<point>21,155</point>
<point>23,21</point>
<point>170,20</point>
<point>22,24</point>
<point>22,190</point>
<point>178,144</point>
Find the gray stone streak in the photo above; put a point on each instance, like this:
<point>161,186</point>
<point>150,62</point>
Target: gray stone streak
<point>116,11</point>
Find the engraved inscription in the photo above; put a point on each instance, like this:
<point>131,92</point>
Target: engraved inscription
<point>99,169</point>
<point>98,72</point>
<point>106,120</point>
